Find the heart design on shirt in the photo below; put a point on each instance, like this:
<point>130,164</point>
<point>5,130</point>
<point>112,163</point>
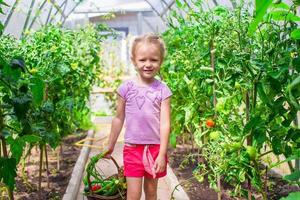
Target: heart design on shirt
<point>129,85</point>
<point>131,94</point>
<point>140,100</point>
<point>151,96</point>
<point>157,101</point>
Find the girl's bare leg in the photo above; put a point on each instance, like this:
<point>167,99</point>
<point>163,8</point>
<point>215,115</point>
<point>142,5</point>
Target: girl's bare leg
<point>134,188</point>
<point>150,188</point>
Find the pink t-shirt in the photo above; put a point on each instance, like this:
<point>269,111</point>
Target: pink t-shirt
<point>142,110</point>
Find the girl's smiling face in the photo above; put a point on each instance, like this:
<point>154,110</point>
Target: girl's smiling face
<point>147,60</point>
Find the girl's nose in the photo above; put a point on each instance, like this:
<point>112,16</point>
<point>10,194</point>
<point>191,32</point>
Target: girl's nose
<point>148,63</point>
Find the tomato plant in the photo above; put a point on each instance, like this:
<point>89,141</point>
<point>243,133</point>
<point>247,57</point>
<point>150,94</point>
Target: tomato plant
<point>46,79</point>
<point>247,81</point>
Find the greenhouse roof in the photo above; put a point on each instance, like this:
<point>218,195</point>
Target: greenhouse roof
<point>31,14</point>
<point>22,15</point>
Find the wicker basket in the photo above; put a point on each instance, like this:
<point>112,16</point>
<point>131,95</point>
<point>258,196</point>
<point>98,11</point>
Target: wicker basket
<point>121,195</point>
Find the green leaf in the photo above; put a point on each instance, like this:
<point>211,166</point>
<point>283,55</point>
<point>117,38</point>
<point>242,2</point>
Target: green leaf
<point>295,176</point>
<point>16,147</point>
<point>293,157</point>
<point>37,88</point>
<point>31,138</point>
<point>261,8</point>
<point>296,63</point>
<point>189,112</point>
<point>295,34</point>
<point>283,15</point>
<point>280,5</point>
<point>259,136</point>
<point>21,106</point>
<point>3,3</point>
<point>290,88</point>
<point>52,138</point>
<point>276,146</point>
<point>11,73</point>
<point>292,196</point>
<point>254,122</point>
<point>296,2</point>
<point>1,28</point>
<point>179,4</point>
<point>289,118</point>
<point>262,95</point>
<point>173,140</point>
<point>8,171</point>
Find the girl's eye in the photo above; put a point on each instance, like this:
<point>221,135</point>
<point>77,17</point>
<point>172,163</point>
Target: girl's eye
<point>142,60</point>
<point>154,60</point>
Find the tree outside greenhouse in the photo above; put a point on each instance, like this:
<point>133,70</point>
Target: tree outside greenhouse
<point>232,67</point>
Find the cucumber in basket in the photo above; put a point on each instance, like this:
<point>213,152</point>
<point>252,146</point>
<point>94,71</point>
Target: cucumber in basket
<point>99,187</point>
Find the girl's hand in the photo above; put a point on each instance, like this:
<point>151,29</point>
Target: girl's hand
<point>108,153</point>
<point>160,164</point>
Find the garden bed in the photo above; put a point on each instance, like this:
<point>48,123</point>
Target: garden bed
<point>201,191</point>
<point>58,179</point>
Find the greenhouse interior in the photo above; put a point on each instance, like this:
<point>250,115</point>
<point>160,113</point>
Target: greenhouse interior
<point>150,99</point>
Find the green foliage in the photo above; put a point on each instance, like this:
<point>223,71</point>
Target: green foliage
<point>211,53</point>
<point>8,171</point>
<point>295,176</point>
<point>296,34</point>
<point>292,196</point>
<point>46,80</point>
<point>260,7</point>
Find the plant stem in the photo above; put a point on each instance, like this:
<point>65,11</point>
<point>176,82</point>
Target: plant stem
<point>47,166</point>
<point>297,161</point>
<point>248,139</point>
<point>5,155</point>
<point>58,164</point>
<point>212,62</point>
<point>40,172</point>
<point>266,184</point>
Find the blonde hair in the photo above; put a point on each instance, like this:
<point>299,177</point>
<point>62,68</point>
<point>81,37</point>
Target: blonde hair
<point>149,38</point>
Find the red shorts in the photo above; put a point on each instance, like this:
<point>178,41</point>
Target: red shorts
<point>133,160</point>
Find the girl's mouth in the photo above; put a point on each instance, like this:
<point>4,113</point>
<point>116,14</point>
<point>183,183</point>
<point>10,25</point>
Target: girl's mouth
<point>148,70</point>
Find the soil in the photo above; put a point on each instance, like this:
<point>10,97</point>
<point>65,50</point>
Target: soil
<point>183,169</point>
<point>58,179</point>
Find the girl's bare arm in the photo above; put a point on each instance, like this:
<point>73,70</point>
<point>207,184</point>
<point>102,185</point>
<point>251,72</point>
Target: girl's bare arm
<point>165,126</point>
<point>117,124</point>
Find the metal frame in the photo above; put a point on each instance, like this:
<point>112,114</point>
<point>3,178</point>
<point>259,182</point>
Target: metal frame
<point>64,16</point>
<point>161,15</point>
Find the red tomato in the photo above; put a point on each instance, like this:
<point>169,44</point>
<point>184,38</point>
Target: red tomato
<point>210,123</point>
<point>96,187</point>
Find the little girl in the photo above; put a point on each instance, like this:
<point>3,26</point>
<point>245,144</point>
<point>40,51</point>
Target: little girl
<point>145,103</point>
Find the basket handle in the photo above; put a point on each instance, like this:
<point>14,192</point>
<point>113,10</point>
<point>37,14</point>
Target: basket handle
<point>115,162</point>
<point>89,175</point>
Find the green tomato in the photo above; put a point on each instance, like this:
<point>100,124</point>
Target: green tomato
<point>215,135</point>
<point>237,85</point>
<point>220,105</point>
<point>235,146</point>
<point>252,152</point>
<point>232,147</point>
